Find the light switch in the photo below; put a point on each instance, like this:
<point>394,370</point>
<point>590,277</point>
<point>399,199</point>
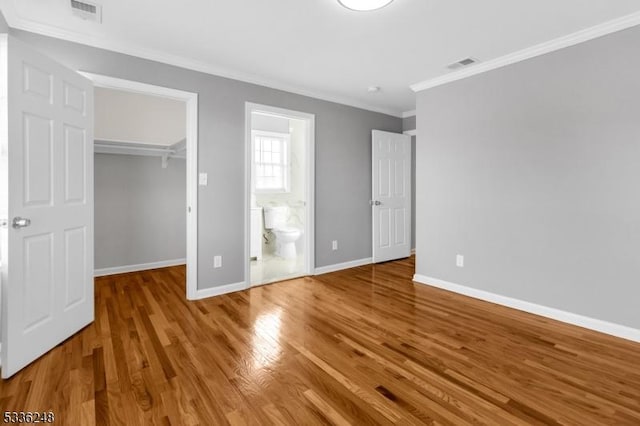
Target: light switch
<point>203,179</point>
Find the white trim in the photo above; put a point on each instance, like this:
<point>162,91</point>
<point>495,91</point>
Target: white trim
<point>521,305</point>
<point>135,268</point>
<point>191,143</point>
<point>309,231</point>
<point>341,266</point>
<point>106,43</point>
<point>413,132</point>
<point>413,251</point>
<point>581,36</point>
<point>219,290</point>
<point>408,114</point>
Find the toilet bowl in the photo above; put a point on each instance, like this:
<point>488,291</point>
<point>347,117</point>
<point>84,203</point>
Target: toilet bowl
<point>275,219</point>
<point>286,242</point>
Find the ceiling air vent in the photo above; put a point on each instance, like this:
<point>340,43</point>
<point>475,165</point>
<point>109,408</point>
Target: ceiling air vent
<point>87,10</point>
<point>462,63</point>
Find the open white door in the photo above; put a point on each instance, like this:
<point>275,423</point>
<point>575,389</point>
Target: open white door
<point>46,174</point>
<point>391,198</point>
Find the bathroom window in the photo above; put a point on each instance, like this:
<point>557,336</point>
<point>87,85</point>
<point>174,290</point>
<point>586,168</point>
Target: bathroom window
<point>271,162</point>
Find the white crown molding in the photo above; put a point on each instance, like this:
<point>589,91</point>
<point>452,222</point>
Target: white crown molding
<point>408,114</point>
<point>606,327</point>
<point>413,132</point>
<point>578,37</point>
<point>16,22</point>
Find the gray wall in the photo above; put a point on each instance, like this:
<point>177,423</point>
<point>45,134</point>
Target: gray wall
<point>4,28</point>
<point>343,156</point>
<point>409,123</point>
<point>531,172</point>
<point>140,214</point>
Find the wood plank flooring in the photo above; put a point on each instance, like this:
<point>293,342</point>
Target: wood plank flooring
<point>362,346</point>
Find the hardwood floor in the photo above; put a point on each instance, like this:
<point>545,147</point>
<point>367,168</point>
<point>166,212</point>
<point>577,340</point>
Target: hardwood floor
<point>362,346</point>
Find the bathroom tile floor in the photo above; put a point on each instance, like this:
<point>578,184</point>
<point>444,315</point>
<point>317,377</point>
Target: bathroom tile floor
<point>273,268</point>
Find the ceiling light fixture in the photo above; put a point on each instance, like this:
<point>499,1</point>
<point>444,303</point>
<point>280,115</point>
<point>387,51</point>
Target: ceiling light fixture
<point>364,5</point>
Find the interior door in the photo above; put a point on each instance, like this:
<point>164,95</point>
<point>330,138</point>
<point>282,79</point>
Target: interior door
<point>46,167</point>
<point>391,199</point>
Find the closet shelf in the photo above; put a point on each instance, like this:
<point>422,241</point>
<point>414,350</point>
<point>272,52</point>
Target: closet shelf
<point>177,150</point>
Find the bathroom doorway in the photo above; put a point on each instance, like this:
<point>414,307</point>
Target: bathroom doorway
<point>279,219</point>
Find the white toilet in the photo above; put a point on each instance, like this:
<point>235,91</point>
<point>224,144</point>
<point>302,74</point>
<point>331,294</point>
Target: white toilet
<point>275,219</point>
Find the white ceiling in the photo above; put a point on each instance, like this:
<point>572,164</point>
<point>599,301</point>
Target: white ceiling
<point>317,47</point>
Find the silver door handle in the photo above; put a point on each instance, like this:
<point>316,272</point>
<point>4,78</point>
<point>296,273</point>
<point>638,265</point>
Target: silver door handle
<point>20,222</point>
<point>374,202</point>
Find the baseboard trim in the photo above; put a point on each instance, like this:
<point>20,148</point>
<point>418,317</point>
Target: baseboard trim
<point>217,291</point>
<point>612,329</point>
<point>340,266</point>
<point>135,268</point>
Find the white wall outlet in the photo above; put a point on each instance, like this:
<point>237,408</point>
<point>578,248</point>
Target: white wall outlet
<point>460,261</point>
<point>203,179</point>
<point>217,261</point>
<point>334,245</point>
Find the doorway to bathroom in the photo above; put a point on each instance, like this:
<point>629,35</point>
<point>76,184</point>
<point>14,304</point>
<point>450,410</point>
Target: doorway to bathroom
<point>279,221</point>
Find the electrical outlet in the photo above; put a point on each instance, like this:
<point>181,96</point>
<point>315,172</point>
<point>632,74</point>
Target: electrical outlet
<point>203,179</point>
<point>217,261</point>
<point>334,245</point>
<point>460,261</point>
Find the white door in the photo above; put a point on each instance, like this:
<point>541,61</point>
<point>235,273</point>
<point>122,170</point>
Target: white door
<point>391,199</point>
<point>46,171</point>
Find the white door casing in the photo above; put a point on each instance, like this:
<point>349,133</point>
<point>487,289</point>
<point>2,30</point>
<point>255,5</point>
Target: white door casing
<point>391,195</point>
<point>46,144</point>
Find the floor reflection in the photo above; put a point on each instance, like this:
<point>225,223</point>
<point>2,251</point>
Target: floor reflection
<point>265,340</point>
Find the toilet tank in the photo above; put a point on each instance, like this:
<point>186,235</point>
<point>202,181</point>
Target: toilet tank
<point>275,217</point>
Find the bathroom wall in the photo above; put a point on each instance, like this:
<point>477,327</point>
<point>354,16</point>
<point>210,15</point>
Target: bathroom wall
<point>298,154</point>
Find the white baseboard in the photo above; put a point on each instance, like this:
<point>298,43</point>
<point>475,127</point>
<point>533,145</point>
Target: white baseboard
<point>217,291</point>
<point>141,267</point>
<point>341,266</point>
<point>582,321</point>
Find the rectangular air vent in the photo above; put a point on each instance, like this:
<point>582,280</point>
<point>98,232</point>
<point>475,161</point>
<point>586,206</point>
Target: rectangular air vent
<point>87,10</point>
<point>462,63</point>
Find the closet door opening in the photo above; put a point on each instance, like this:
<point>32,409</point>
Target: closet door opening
<point>145,212</point>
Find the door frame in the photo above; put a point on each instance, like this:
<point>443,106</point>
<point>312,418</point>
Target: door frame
<point>191,101</point>
<point>309,227</point>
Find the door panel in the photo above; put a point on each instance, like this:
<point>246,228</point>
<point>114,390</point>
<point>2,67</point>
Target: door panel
<point>391,200</point>
<point>46,142</point>
<point>38,280</point>
<point>75,164</point>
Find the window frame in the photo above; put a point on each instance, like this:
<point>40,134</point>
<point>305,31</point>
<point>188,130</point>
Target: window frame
<point>285,163</point>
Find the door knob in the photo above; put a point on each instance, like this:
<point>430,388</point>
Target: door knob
<point>20,222</point>
<point>374,202</point>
